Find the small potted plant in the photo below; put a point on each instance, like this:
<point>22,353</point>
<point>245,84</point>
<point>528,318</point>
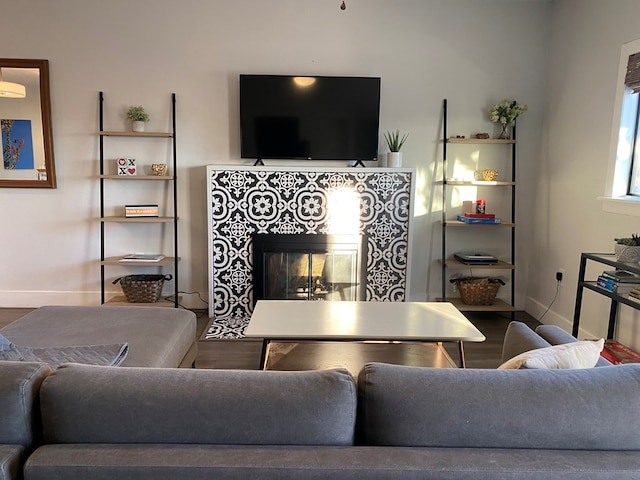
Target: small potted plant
<point>138,117</point>
<point>395,141</point>
<point>505,113</point>
<point>627,249</point>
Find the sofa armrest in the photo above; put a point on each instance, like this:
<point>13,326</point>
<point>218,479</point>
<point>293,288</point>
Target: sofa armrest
<point>519,338</point>
<point>19,413</point>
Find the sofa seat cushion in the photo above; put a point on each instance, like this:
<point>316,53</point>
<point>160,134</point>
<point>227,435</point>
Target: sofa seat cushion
<point>201,462</point>
<point>157,337</point>
<point>92,404</point>
<point>578,409</point>
<point>584,354</point>
<point>11,461</point>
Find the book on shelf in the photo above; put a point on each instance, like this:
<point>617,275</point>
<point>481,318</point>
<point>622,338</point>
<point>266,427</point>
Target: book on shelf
<point>142,257</point>
<point>617,353</point>
<point>614,286</point>
<point>141,210</point>
<point>465,219</point>
<point>480,215</point>
<point>621,276</point>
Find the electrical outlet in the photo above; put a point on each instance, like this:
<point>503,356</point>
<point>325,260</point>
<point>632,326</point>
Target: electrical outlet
<point>560,277</point>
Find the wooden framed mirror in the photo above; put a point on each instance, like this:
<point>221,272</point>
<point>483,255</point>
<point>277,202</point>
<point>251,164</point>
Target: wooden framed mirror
<point>25,121</point>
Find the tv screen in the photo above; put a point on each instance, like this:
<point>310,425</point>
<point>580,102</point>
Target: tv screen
<point>314,118</point>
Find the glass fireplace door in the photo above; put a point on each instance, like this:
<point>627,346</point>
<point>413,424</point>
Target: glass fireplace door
<point>311,275</point>
<point>309,267</point>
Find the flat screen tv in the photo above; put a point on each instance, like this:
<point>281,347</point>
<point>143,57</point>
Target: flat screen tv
<point>311,118</point>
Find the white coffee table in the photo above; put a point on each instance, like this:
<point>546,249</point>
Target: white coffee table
<point>300,321</point>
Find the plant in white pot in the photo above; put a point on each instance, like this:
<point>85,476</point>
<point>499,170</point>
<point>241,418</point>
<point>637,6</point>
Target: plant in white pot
<point>627,249</point>
<point>395,141</point>
<point>138,117</point>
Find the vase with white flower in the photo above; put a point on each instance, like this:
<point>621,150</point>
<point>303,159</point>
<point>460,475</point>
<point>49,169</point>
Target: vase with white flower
<point>505,113</point>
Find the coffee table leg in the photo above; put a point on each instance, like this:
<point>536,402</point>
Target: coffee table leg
<point>463,363</point>
<point>263,353</point>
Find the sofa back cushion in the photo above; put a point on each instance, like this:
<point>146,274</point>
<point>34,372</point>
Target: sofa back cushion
<point>19,415</point>
<point>581,409</point>
<point>90,404</point>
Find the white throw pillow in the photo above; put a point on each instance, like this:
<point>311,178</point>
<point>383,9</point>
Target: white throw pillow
<point>583,354</point>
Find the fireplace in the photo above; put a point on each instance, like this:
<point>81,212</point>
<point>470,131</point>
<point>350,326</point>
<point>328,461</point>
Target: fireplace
<point>309,267</point>
<point>243,201</point>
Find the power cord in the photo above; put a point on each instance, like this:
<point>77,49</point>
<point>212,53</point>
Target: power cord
<point>198,311</point>
<point>554,297</point>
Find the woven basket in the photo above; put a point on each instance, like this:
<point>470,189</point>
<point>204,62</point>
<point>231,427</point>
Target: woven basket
<point>478,290</point>
<point>142,288</point>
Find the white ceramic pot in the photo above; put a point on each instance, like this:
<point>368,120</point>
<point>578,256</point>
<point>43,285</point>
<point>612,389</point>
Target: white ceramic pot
<point>138,126</point>
<point>394,159</point>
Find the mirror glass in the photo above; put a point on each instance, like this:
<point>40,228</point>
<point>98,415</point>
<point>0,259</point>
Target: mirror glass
<point>25,121</point>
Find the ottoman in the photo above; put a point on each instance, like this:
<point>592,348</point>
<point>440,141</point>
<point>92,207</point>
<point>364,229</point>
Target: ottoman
<point>157,336</point>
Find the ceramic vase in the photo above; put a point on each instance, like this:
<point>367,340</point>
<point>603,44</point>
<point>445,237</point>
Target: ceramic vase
<point>137,126</point>
<point>627,253</point>
<point>394,159</point>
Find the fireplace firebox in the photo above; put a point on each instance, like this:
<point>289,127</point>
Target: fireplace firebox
<point>309,267</point>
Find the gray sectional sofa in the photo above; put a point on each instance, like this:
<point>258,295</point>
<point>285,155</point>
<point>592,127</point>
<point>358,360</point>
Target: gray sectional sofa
<point>90,422</point>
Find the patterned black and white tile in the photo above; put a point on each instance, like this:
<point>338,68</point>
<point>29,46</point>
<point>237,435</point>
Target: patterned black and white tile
<point>247,200</point>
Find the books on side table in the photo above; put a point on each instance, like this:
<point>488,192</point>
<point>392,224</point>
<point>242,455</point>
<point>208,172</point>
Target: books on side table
<point>618,353</point>
<point>620,282</point>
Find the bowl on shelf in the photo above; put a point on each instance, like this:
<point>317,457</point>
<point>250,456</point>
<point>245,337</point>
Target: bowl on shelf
<point>489,175</point>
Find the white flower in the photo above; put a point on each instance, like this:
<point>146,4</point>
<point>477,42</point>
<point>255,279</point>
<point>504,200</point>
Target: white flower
<point>506,112</point>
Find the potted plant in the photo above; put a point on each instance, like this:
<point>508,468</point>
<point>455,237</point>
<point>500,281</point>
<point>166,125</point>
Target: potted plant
<point>395,141</point>
<point>505,113</point>
<point>138,117</point>
<point>627,249</point>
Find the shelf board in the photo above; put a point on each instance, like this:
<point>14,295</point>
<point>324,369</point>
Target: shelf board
<point>121,300</point>
<point>480,140</point>
<point>478,183</point>
<point>458,223</point>
<point>138,177</point>
<point>137,219</point>
<point>166,261</point>
<point>498,306</point>
<point>136,134</point>
<point>452,263</point>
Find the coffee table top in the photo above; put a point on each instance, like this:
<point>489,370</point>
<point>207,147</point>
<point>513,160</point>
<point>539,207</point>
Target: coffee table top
<point>359,321</point>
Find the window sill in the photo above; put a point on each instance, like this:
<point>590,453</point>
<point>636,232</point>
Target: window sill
<point>623,205</point>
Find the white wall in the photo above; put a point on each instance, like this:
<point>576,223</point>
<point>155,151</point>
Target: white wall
<point>472,52</point>
<point>587,36</point>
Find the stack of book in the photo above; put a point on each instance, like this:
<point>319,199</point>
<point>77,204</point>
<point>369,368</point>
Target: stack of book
<point>479,218</point>
<point>620,282</point>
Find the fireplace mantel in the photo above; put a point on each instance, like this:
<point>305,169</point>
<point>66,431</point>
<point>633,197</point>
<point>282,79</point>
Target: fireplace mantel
<point>243,200</point>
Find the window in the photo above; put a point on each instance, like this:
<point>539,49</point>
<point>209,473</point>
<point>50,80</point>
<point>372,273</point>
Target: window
<point>622,192</point>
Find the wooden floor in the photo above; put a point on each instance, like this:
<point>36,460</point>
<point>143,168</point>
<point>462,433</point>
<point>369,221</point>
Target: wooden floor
<point>246,353</point>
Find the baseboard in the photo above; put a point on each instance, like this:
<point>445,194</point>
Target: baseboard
<point>34,299</point>
<point>537,309</point>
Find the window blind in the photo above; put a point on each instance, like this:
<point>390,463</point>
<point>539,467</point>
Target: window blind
<point>632,78</point>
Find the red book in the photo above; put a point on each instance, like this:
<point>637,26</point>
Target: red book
<point>480,215</point>
<point>618,353</point>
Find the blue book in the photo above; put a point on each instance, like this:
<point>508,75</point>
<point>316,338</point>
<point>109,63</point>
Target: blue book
<point>462,218</point>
